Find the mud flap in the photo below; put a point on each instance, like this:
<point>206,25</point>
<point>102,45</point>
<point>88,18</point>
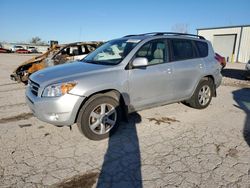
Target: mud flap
<point>214,91</point>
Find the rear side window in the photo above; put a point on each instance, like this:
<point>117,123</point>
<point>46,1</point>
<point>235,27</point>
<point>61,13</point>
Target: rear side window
<point>182,49</point>
<point>202,48</point>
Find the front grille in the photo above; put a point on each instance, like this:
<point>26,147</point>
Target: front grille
<point>34,87</point>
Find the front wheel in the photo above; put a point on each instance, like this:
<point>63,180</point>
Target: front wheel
<point>202,95</point>
<point>99,117</point>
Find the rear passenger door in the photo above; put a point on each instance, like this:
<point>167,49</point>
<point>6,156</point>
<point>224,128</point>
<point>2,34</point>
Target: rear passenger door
<point>187,67</point>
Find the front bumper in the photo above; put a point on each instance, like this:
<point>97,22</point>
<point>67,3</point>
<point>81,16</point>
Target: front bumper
<point>15,77</point>
<point>20,77</point>
<point>60,111</point>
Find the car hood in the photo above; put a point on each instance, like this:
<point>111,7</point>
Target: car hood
<point>66,72</point>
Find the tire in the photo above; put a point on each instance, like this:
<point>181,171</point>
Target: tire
<point>99,117</point>
<point>202,95</point>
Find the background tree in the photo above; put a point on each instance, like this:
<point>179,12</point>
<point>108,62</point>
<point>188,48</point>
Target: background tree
<point>36,40</point>
<point>180,28</point>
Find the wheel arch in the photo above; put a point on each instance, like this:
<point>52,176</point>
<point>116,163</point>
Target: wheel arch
<point>107,92</point>
<point>210,77</point>
<point>206,77</point>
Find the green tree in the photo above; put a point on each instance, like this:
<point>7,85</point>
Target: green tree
<point>36,40</point>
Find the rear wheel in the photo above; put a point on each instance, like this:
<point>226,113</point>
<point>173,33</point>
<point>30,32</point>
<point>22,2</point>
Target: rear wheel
<point>202,95</point>
<point>99,117</point>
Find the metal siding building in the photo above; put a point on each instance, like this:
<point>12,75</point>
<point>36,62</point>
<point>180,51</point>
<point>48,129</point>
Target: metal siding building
<point>231,42</point>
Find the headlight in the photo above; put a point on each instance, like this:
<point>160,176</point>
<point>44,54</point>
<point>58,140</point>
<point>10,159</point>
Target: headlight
<point>57,90</point>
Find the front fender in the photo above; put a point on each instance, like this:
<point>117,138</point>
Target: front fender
<point>94,83</point>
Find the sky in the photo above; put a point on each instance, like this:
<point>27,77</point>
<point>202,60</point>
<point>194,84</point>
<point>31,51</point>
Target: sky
<point>82,20</point>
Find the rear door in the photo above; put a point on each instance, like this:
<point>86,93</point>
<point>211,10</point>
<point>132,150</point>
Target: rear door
<point>188,67</point>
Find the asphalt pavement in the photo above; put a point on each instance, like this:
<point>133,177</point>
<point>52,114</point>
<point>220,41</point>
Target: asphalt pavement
<point>167,146</point>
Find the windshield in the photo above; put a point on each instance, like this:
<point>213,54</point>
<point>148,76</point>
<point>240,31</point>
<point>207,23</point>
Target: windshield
<point>112,52</point>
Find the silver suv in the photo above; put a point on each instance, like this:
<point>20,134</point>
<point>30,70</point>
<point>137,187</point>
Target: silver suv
<point>128,74</point>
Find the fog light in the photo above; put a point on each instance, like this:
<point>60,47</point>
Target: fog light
<point>54,117</point>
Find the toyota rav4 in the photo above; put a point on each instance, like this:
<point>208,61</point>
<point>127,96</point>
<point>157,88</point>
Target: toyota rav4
<point>124,75</point>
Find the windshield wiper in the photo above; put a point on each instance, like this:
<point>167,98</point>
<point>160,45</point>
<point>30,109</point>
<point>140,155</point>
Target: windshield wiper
<point>88,61</point>
<point>100,62</point>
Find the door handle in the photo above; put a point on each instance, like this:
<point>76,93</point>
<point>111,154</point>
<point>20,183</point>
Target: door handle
<point>201,66</point>
<point>169,71</point>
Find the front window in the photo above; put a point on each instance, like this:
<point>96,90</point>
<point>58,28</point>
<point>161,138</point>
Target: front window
<point>112,52</point>
<point>154,51</point>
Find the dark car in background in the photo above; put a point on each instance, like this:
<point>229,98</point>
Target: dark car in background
<point>248,70</point>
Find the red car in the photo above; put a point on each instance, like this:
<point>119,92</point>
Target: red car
<point>221,60</point>
<point>22,51</point>
<point>3,50</point>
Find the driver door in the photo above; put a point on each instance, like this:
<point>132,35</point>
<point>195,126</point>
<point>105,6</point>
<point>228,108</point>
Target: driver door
<point>151,85</point>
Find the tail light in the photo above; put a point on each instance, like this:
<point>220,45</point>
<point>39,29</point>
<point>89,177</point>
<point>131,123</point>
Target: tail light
<point>220,59</point>
<point>217,57</point>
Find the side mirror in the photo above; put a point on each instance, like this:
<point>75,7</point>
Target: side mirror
<point>140,62</point>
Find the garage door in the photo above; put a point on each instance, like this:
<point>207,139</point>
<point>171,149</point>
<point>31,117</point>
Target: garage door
<point>225,45</point>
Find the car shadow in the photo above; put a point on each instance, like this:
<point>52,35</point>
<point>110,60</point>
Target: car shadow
<point>234,73</point>
<point>122,161</point>
<point>242,97</point>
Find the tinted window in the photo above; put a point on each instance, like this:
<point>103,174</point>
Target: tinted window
<point>182,49</point>
<point>202,48</point>
<point>154,51</point>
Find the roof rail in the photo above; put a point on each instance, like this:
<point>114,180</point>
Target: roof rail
<point>167,33</point>
<point>131,35</point>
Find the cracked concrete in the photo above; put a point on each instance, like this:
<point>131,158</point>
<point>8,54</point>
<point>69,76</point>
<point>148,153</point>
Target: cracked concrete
<point>179,147</point>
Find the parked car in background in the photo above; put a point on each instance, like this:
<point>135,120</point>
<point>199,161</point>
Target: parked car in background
<point>32,49</point>
<point>248,70</point>
<point>16,47</point>
<point>4,50</point>
<point>221,60</point>
<point>23,71</point>
<point>22,51</point>
<point>72,52</point>
<point>124,75</point>
<point>57,54</point>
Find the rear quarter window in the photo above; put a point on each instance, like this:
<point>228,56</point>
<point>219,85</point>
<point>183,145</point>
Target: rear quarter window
<point>202,48</point>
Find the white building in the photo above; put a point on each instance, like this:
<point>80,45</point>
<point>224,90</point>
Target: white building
<point>232,42</point>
